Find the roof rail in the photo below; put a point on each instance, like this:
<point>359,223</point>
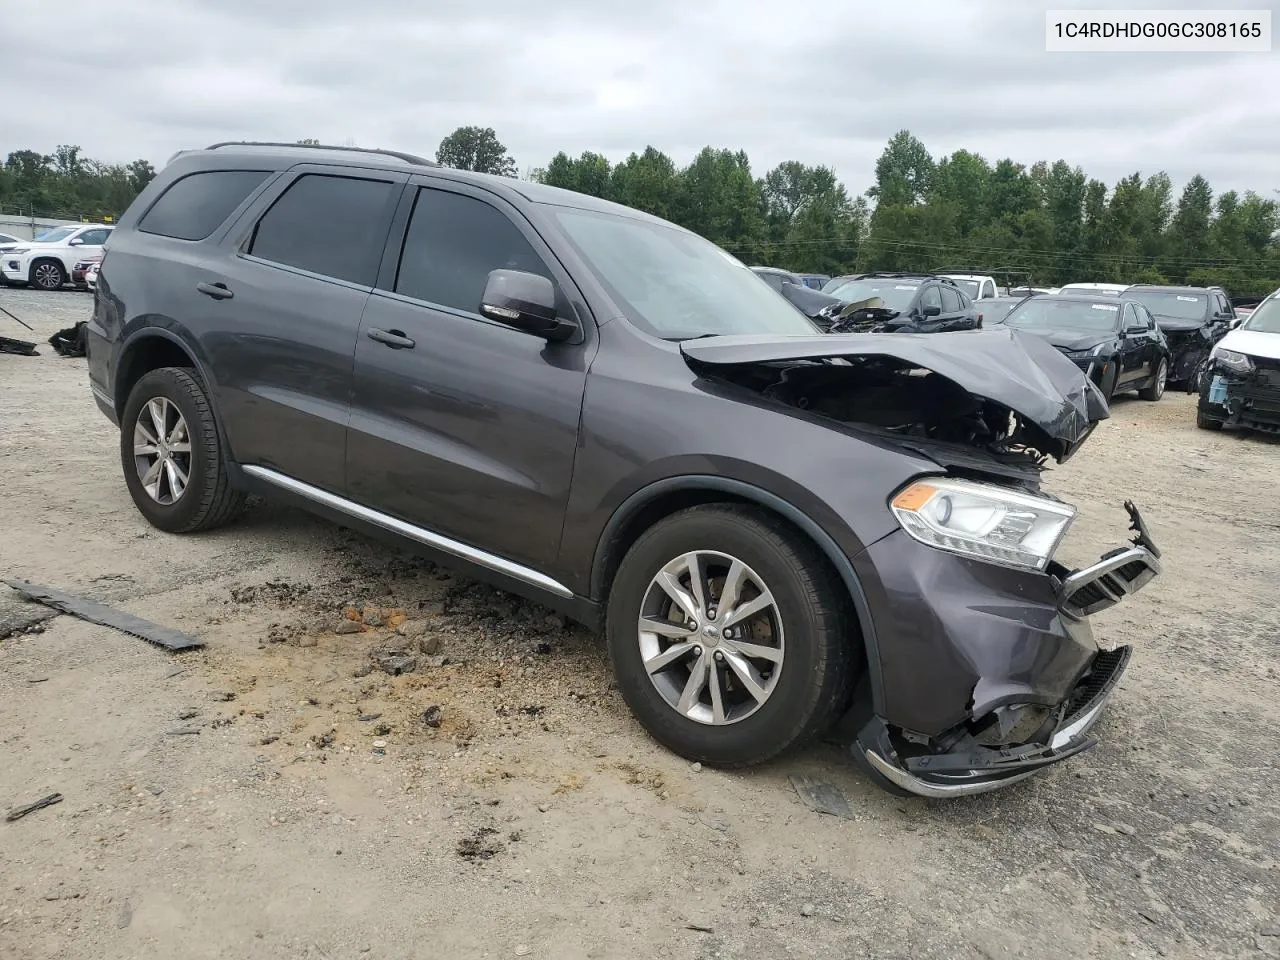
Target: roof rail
<point>399,155</point>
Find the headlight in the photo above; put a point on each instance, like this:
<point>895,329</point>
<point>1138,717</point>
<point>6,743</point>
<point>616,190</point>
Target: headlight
<point>17,251</point>
<point>1238,362</point>
<point>983,521</point>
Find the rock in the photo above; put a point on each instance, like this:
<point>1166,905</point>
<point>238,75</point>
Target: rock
<point>429,643</point>
<point>362,671</point>
<point>188,713</point>
<point>348,626</point>
<point>412,628</point>
<point>1124,828</point>
<point>224,696</point>
<point>543,648</point>
<point>1214,808</point>
<point>522,950</point>
<point>395,662</point>
<point>435,662</point>
<point>543,808</point>
<point>431,716</point>
<point>322,740</point>
<point>806,910</point>
<point>373,619</point>
<point>379,744</point>
<point>696,767</point>
<point>382,730</point>
<point>124,916</point>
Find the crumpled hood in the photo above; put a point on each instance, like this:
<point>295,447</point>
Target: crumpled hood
<point>1177,324</point>
<point>1020,371</point>
<point>808,301</point>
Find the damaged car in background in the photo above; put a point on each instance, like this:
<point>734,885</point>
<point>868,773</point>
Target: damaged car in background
<point>1193,319</point>
<point>1241,387</point>
<point>783,533</point>
<point>900,303</point>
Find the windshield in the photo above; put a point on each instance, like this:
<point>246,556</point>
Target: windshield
<point>1266,318</point>
<point>676,285</point>
<point>968,286</point>
<point>1051,313</point>
<point>56,234</point>
<point>895,294</point>
<point>1180,306</point>
<point>995,310</point>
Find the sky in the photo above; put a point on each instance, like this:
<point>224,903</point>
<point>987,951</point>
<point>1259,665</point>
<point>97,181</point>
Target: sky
<point>819,82</point>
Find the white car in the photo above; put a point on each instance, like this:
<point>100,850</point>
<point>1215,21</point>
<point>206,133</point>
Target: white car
<point>8,242</point>
<point>1243,382</point>
<point>47,261</point>
<point>976,286</point>
<point>1109,289</point>
<point>91,275</point>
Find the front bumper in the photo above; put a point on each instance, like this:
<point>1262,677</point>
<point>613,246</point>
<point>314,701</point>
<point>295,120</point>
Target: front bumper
<point>14,268</point>
<point>987,674</point>
<point>1249,400</point>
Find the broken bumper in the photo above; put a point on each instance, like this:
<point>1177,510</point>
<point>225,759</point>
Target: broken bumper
<point>1238,399</point>
<point>987,674</point>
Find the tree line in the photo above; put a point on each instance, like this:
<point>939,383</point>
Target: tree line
<point>920,213</point>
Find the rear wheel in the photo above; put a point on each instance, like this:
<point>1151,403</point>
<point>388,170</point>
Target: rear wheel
<point>47,275</point>
<point>172,456</point>
<point>730,636</point>
<point>1156,390</point>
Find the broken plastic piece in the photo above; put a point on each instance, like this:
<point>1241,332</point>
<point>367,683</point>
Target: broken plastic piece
<point>95,612</point>
<point>19,812</point>
<point>821,796</point>
<point>22,348</point>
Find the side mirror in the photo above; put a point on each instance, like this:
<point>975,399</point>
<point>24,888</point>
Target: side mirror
<point>1235,323</point>
<point>933,310</point>
<point>75,242</point>
<point>1135,331</point>
<point>525,301</point>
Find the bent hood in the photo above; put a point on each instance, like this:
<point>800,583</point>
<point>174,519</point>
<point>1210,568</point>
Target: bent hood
<point>1072,340</point>
<point>1255,343</point>
<point>1177,324</point>
<point>1021,372</point>
<point>808,301</point>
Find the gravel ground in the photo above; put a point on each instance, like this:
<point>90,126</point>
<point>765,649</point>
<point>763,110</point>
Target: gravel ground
<point>269,796</point>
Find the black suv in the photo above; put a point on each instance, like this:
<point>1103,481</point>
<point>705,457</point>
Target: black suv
<point>777,528</point>
<point>1193,320</point>
<point>903,302</point>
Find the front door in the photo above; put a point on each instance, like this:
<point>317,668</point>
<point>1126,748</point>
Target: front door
<point>461,425</point>
<point>1136,346</point>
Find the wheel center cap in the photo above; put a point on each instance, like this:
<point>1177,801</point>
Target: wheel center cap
<point>712,633</point>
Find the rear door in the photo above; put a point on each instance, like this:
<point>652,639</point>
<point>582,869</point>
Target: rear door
<point>469,429</point>
<point>279,312</point>
<point>954,307</point>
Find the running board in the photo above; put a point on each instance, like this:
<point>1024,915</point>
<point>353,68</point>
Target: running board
<point>405,529</point>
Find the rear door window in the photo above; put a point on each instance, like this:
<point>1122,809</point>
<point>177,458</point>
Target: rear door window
<point>951,301</point>
<point>196,205</point>
<point>329,225</point>
<point>452,243</point>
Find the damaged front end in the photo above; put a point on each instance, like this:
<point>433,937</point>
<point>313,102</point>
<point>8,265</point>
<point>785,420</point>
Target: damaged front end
<point>983,667</point>
<point>1189,347</point>
<point>1240,390</point>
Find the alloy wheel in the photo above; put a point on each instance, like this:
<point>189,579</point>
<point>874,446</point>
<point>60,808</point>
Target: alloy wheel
<point>711,637</point>
<point>47,276</point>
<point>1162,378</point>
<point>162,451</point>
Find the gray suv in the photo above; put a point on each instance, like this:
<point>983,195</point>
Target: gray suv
<point>784,534</point>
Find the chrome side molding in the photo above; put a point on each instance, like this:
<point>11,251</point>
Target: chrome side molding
<point>420,534</point>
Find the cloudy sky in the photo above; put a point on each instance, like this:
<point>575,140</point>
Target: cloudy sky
<point>821,81</point>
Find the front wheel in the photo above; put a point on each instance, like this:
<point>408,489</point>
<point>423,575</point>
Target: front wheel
<point>1156,390</point>
<point>730,637</point>
<point>47,275</point>
<point>172,456</point>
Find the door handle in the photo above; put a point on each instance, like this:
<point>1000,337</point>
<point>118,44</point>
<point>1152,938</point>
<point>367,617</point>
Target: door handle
<point>395,339</point>
<point>218,291</point>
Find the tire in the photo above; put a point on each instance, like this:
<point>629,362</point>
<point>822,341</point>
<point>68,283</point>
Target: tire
<point>1207,423</point>
<point>810,686</point>
<point>47,274</point>
<point>207,499</point>
<point>1156,390</point>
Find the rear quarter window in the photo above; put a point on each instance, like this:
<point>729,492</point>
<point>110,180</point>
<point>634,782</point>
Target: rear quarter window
<point>196,205</point>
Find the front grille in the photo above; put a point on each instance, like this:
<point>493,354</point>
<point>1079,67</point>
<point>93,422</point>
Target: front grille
<point>1107,582</point>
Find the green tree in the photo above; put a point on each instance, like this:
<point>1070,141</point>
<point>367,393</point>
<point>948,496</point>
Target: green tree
<point>1189,231</point>
<point>903,172</point>
<point>478,149</point>
<point>719,199</point>
<point>648,182</point>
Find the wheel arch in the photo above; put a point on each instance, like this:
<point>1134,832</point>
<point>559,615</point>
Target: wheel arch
<point>149,349</point>
<point>49,257</point>
<point>661,499</point>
